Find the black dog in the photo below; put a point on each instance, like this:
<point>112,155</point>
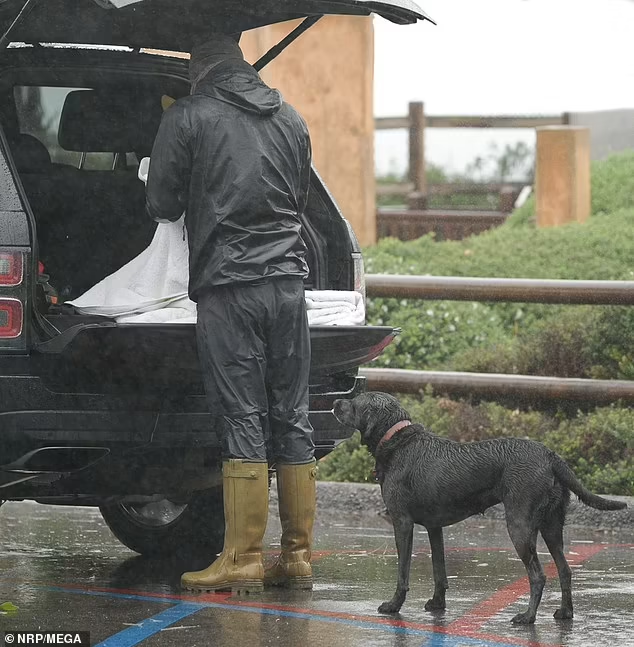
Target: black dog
<point>437,482</point>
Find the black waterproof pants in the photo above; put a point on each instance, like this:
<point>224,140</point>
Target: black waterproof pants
<point>254,348</point>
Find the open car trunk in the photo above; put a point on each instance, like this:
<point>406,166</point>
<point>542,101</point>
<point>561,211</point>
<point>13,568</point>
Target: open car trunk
<point>90,221</point>
<point>173,24</point>
<point>82,239</point>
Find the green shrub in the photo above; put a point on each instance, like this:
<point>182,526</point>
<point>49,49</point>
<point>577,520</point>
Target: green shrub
<point>599,446</point>
<point>433,331</point>
<point>613,184</point>
<point>600,248</point>
<point>462,421</point>
<point>351,461</point>
<point>611,344</point>
<point>556,346</point>
<point>574,341</point>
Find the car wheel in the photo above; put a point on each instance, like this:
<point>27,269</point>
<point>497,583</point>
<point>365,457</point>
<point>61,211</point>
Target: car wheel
<point>165,527</point>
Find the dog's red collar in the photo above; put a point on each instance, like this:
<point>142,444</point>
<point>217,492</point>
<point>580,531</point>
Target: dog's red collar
<point>392,430</point>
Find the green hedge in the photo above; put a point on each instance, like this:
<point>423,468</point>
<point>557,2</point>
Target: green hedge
<point>600,248</point>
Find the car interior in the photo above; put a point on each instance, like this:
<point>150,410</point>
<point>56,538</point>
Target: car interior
<point>77,143</point>
<point>89,220</point>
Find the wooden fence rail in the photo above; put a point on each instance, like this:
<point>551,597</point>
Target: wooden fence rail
<point>454,121</point>
<point>416,122</point>
<point>521,389</point>
<point>461,288</point>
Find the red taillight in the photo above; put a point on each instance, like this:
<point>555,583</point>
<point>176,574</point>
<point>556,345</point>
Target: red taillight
<point>11,318</point>
<point>11,268</point>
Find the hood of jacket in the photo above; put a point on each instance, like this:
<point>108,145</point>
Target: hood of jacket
<point>237,83</point>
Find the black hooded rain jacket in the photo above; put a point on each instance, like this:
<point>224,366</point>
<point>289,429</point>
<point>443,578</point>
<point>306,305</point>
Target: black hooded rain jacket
<point>236,158</point>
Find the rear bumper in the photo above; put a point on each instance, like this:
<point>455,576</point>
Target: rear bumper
<point>40,418</point>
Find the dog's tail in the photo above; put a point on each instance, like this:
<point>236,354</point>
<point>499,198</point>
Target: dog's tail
<point>567,477</point>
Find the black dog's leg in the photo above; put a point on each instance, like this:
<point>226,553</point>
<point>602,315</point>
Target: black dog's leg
<point>403,534</point>
<point>440,574</point>
<point>524,538</point>
<point>552,532</point>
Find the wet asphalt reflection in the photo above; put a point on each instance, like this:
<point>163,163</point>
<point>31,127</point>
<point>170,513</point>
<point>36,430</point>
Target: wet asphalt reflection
<point>64,570</point>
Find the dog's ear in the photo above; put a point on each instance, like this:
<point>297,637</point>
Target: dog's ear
<point>376,412</point>
<point>357,414</point>
<point>361,414</point>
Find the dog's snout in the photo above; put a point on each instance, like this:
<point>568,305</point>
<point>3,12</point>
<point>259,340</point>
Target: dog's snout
<point>341,411</point>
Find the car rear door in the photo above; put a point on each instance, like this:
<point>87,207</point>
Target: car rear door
<point>172,24</point>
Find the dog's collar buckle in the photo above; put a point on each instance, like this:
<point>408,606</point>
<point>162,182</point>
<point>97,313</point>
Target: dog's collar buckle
<point>393,429</point>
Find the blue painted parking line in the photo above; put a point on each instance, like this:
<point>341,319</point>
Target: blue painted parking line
<point>150,626</point>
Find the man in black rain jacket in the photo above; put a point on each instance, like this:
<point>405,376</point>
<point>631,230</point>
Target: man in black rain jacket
<point>236,159</point>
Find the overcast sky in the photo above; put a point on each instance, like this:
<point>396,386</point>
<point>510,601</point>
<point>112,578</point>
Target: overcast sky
<point>501,57</point>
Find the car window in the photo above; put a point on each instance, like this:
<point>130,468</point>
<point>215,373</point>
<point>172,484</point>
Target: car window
<point>39,109</point>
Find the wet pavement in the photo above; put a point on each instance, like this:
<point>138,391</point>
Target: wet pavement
<point>64,571</point>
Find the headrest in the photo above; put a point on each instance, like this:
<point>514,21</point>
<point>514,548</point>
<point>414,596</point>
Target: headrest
<point>108,122</point>
<point>29,154</point>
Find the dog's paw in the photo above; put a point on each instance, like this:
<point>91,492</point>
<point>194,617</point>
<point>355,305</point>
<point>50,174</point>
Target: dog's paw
<point>389,607</point>
<point>563,614</point>
<point>523,619</point>
<point>435,605</point>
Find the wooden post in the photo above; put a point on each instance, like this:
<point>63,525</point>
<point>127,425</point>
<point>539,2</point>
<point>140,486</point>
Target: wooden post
<point>417,176</point>
<point>562,175</point>
<point>506,199</point>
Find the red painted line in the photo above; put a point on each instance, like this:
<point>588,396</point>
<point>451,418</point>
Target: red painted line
<point>318,554</point>
<point>390,622</point>
<point>479,615</point>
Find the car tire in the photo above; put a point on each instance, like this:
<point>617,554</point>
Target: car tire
<point>165,528</point>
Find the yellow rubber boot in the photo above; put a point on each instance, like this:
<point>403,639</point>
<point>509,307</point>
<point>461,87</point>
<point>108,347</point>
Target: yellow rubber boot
<point>296,493</point>
<point>239,567</point>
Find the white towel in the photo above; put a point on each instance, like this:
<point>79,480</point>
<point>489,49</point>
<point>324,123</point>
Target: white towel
<point>152,288</point>
<point>335,307</point>
<point>156,278</point>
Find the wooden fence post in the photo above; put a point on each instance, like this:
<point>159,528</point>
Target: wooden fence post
<point>562,175</point>
<point>506,199</point>
<point>417,176</point>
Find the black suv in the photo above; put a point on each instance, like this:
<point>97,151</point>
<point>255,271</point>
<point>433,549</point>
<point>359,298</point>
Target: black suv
<point>113,415</point>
